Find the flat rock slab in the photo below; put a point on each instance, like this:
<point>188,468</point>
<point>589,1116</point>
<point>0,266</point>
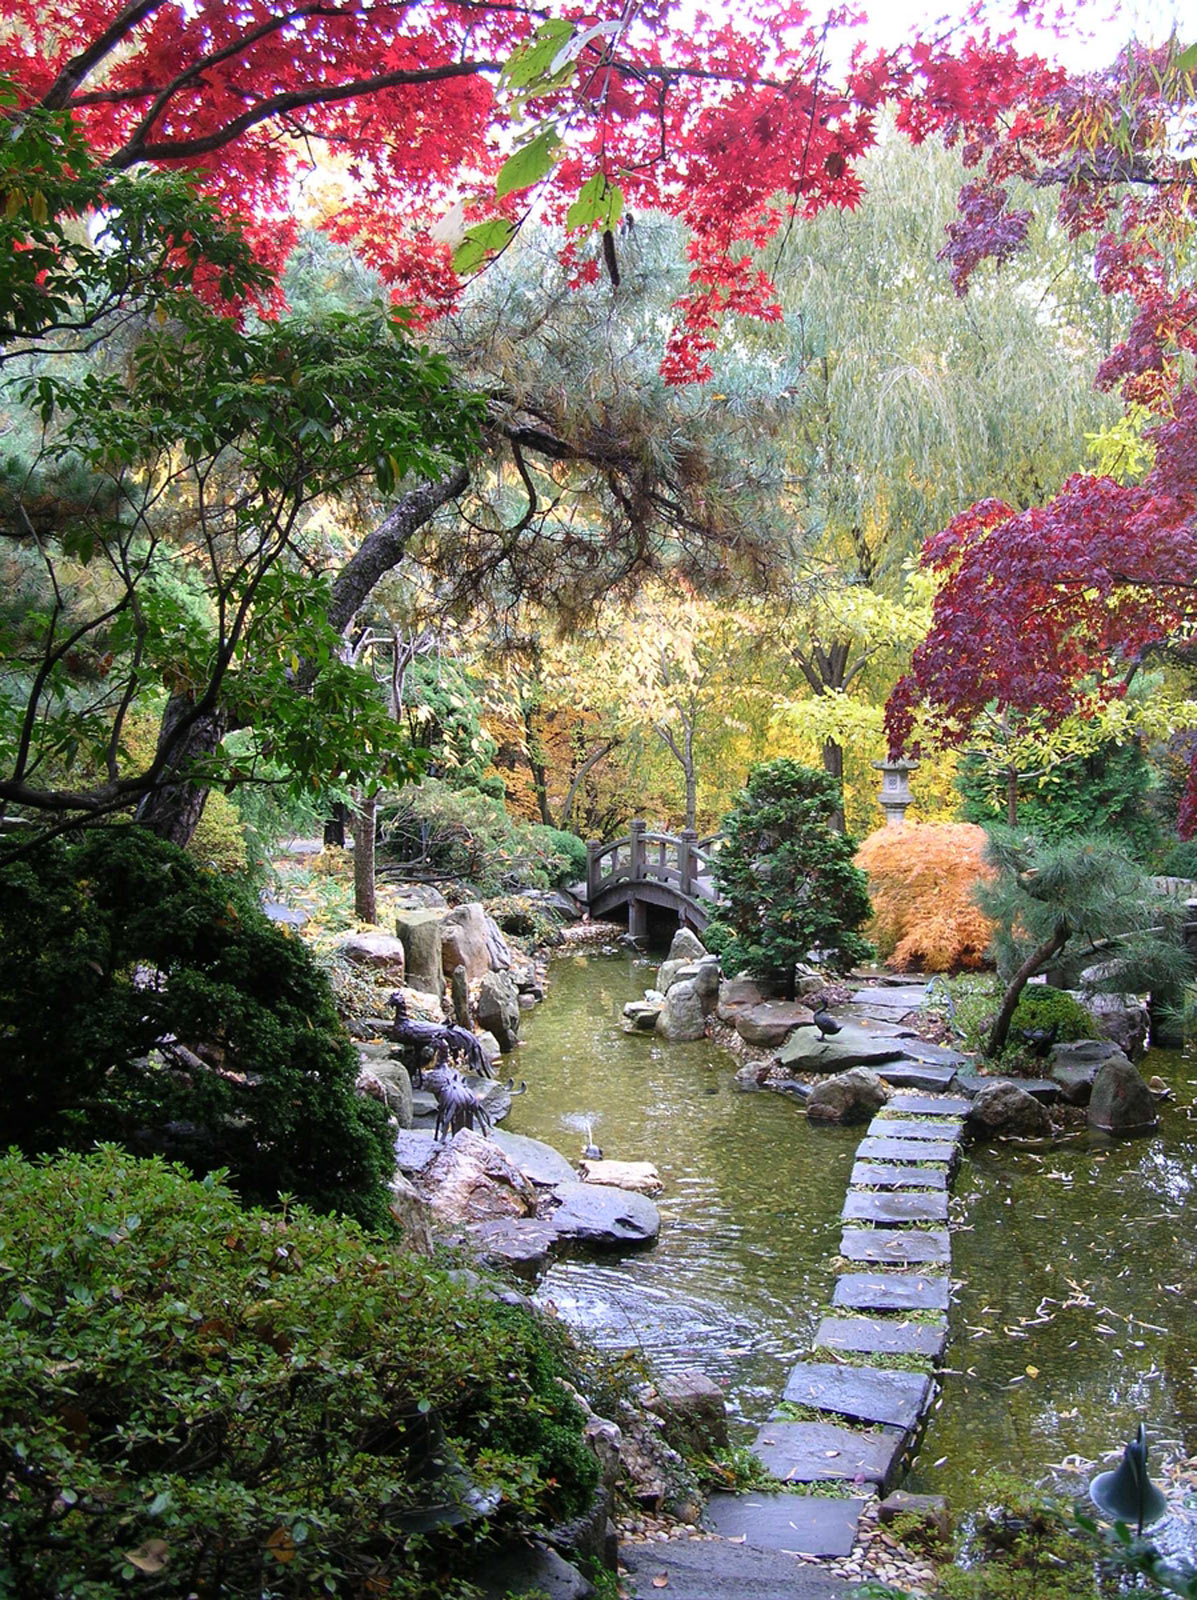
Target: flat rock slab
<point>522,1243</point>
<point>889,1338</point>
<point>853,1046</point>
<point>772,1022</point>
<point>413,1148</point>
<point>538,1161</point>
<point>1045,1089</point>
<point>879,1175</point>
<point>888,1210</point>
<point>907,1073</point>
<point>884,1126</point>
<point>707,1569</point>
<point>809,1525</point>
<point>897,1245</point>
<point>929,1105</point>
<point>821,1452</point>
<point>892,1291</point>
<point>935,1055</point>
<point>595,1214</point>
<point>903,998</point>
<point>865,1394</point>
<point>872,1149</point>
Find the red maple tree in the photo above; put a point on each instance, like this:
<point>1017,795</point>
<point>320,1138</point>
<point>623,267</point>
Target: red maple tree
<point>1053,609</point>
<point>477,107</point>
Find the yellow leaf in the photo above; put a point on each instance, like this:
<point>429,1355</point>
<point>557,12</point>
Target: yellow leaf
<point>151,1556</point>
<point>281,1546</point>
<point>1032,1372</point>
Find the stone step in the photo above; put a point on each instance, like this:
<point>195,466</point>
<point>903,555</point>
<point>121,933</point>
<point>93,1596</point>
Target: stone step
<point>883,1126</point>
<point>890,1210</point>
<point>876,1336</point>
<point>907,1073</point>
<point>822,1452</point>
<point>892,1291</point>
<point>1045,1089</point>
<point>901,1246</point>
<point>708,1569</point>
<point>875,1149</point>
<point>864,1394</point>
<point>877,1175</point>
<point>800,1524</point>
<point>929,1105</point>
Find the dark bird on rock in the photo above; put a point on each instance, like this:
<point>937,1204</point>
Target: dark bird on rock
<point>1039,1041</point>
<point>826,1023</point>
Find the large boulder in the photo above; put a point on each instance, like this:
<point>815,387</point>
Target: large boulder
<point>464,941</point>
<point>692,1408</point>
<point>539,1162</point>
<point>852,1096</point>
<point>706,982</point>
<point>395,1081</point>
<point>469,1179</point>
<point>686,946</point>
<point>594,1214</point>
<point>737,995</point>
<point>498,1009</point>
<point>671,972</point>
<point>381,953</point>
<point>1002,1110</point>
<point>773,1022</point>
<point>682,1018</point>
<point>420,932</point>
<point>497,949</point>
<point>1121,1103</point>
<point>852,1046</point>
<point>1122,1018</point>
<point>413,1214</point>
<point>1076,1063</point>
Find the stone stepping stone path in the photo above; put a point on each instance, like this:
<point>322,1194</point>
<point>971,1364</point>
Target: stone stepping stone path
<point>908,1073</point>
<point>891,1291</point>
<point>900,1247</point>
<point>873,1148</point>
<point>891,1210</point>
<point>796,1524</point>
<point>879,1175</point>
<point>863,1394</point>
<point>878,1337</point>
<point>823,1452</point>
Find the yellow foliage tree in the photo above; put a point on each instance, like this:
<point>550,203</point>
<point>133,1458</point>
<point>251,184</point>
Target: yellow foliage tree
<point>921,881</point>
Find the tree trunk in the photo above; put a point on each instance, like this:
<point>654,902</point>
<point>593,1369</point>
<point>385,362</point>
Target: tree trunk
<point>534,747</point>
<point>173,808</point>
<point>1011,797</point>
<point>364,822</point>
<point>833,765</point>
<point>1034,962</point>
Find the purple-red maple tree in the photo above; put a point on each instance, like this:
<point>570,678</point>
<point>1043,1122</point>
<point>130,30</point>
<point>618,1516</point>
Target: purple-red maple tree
<point>1053,609</point>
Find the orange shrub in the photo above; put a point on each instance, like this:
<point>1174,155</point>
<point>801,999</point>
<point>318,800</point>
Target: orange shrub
<point>921,880</point>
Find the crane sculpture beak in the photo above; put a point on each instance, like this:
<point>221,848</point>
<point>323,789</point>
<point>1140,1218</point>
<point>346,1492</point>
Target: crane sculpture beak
<point>1127,1494</point>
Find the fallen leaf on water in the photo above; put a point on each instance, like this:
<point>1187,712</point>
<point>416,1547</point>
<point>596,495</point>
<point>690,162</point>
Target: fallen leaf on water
<point>1032,1372</point>
<point>661,1581</point>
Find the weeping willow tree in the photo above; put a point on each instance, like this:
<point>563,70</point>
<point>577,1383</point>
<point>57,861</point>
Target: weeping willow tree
<point>911,404</point>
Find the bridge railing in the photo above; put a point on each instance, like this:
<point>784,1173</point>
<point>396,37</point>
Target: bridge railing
<point>683,861</point>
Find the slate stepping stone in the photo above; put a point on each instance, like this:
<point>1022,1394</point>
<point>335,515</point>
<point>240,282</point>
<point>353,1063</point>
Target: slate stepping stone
<point>865,1394</point>
<point>897,1245</point>
<point>903,998</point>
<point>876,1175</point>
<point>939,1055</point>
<point>887,1127</point>
<point>891,1291</point>
<point>907,1073</point>
<point>808,1525</point>
<point>878,1337</point>
<point>708,1569</point>
<point>929,1105</point>
<point>821,1452</point>
<point>1045,1089</point>
<point>874,1149</point>
<point>889,1210</point>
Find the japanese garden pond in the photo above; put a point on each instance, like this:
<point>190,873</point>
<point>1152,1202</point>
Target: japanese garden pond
<point>1075,1264</point>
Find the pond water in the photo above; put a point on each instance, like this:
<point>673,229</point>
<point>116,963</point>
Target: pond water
<point>1077,1265</point>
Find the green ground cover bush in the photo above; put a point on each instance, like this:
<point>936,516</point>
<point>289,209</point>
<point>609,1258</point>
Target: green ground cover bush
<point>445,832</point>
<point>1041,1006</point>
<point>115,943</point>
<point>201,1400</point>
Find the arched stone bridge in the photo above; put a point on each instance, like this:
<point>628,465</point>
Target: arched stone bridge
<point>671,871</point>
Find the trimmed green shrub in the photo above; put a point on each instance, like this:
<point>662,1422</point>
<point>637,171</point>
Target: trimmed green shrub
<point>566,848</point>
<point>219,840</point>
<point>202,1400</point>
<point>787,877</point>
<point>1181,860</point>
<point>1041,1006</point>
<point>435,830</point>
<point>120,949</point>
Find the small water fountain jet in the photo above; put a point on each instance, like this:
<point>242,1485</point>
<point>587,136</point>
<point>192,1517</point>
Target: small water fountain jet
<point>583,1122</point>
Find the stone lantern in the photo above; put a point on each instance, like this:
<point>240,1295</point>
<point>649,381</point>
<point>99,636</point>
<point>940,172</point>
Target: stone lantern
<point>895,794</point>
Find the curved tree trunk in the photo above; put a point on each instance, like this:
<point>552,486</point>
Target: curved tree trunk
<point>364,820</point>
<point>173,808</point>
<point>1034,963</point>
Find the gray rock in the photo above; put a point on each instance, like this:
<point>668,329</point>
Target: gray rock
<point>497,948</point>
<point>489,1044</point>
<point>686,946</point>
<point>525,1244</point>
<point>464,941</point>
<point>640,1016</point>
<point>706,982</point>
<point>773,1022</point>
<point>901,1247</point>
<point>851,1096</point>
<point>736,995</point>
<point>882,1336</point>
<point>414,1149</point>
<point>692,1409</point>
<point>1002,1110</point>
<point>671,972</point>
<point>1122,1018</point>
<point>469,1179</point>
<point>498,1008</point>
<point>1121,1102</point>
<point>820,1452</point>
<point>413,1214</point>
<point>592,1214</point>
<point>929,1511</point>
<point>809,1525</point>
<point>885,1126</point>
<point>912,1150</point>
<point>420,933</point>
<point>852,1046</point>
<point>420,897</point>
<point>396,1086</point>
<point>887,1209</point>
<point>538,1162</point>
<point>710,1569</point>
<point>682,1018</point>
<point>892,1291</point>
<point>533,1570</point>
<point>382,953</point>
<point>459,991</point>
<point>862,1394</point>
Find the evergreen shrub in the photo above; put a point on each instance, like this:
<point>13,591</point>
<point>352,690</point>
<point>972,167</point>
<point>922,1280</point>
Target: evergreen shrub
<point>201,1400</point>
<point>118,949</point>
<point>1042,1006</point>
<point>1181,860</point>
<point>787,876</point>
<point>437,830</point>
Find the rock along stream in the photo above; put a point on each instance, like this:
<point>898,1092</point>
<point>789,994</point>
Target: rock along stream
<point>1077,1263</point>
